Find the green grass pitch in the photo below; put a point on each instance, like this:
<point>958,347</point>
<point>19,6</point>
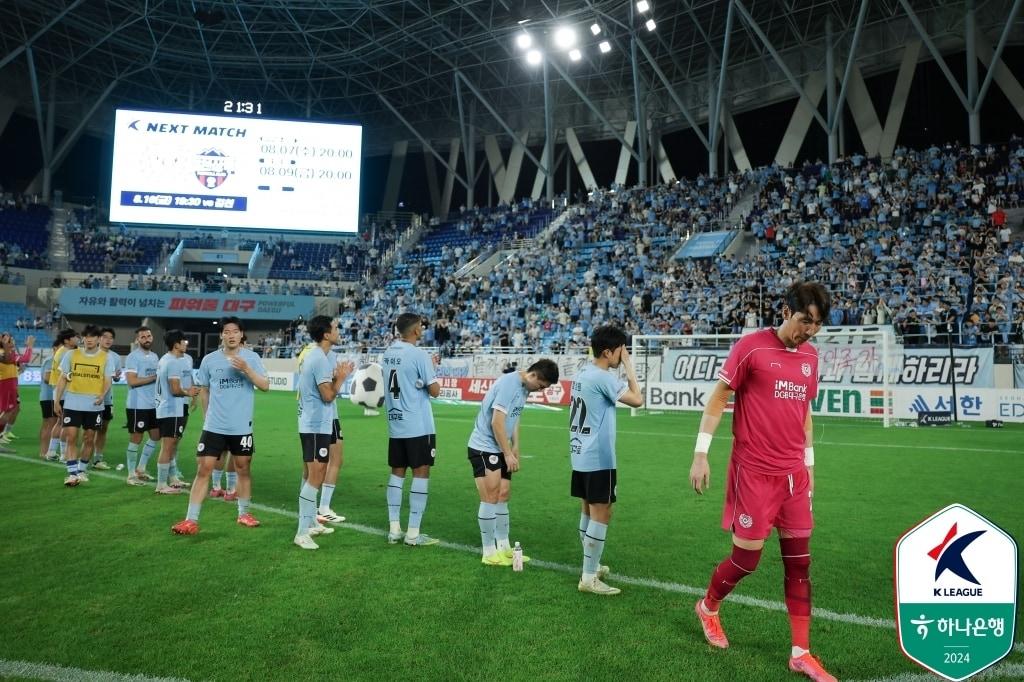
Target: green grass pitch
<point>94,579</point>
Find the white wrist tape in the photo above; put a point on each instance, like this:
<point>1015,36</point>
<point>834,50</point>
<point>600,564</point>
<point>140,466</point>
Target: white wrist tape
<point>703,442</point>
<point>809,457</point>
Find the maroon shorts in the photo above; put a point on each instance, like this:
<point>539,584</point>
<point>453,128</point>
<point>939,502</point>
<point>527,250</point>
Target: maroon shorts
<point>755,503</point>
<point>8,395</point>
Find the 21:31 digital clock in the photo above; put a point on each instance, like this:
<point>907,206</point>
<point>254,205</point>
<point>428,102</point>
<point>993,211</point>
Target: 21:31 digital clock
<point>233,107</point>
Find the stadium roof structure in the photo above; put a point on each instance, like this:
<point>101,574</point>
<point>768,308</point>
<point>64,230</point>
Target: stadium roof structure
<point>410,68</point>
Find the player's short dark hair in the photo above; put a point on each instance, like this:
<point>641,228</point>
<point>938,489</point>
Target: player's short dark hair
<point>231,319</point>
<point>406,321</point>
<point>90,330</point>
<point>800,296</point>
<point>545,369</point>
<point>173,337</point>
<point>608,337</point>
<point>65,335</point>
<point>319,326</point>
<point>141,329</point>
<point>104,330</point>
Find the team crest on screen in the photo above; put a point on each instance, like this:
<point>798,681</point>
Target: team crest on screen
<point>212,168</point>
<point>805,369</point>
<point>746,521</point>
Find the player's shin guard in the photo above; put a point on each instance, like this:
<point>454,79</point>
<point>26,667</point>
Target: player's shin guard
<point>394,497</point>
<point>796,562</point>
<point>738,565</point>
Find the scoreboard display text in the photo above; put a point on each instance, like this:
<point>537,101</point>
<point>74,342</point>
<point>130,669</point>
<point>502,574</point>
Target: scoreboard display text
<point>224,171</point>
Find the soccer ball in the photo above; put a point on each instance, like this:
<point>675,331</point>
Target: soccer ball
<point>368,386</point>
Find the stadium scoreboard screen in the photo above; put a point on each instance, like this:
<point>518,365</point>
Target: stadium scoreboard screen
<point>236,172</point>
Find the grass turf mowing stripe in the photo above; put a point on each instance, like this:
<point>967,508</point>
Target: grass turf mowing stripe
<point>1000,670</point>
<point>43,671</point>
<point>562,568</point>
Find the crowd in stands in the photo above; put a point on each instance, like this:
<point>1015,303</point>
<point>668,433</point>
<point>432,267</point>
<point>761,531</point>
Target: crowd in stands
<point>23,227</point>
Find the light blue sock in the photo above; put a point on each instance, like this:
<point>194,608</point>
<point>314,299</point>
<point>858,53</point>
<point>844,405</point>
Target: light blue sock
<point>161,474</point>
<point>395,498</point>
<point>132,457</point>
<point>173,471</point>
<point>232,477</point>
<point>193,511</point>
<point>417,501</point>
<point>83,464</point>
<point>307,508</point>
<point>54,445</point>
<point>243,506</point>
<point>501,524</point>
<point>593,547</point>
<point>215,478</point>
<point>147,451</point>
<point>326,493</point>
<point>584,523</point>
<point>72,465</point>
<point>97,456</point>
<point>485,517</point>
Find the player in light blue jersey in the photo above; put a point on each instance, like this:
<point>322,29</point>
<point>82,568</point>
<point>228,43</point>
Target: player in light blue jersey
<point>140,369</point>
<point>171,409</point>
<point>106,343</point>
<point>46,407</point>
<point>595,391</point>
<point>229,378</point>
<point>324,513</point>
<point>409,384</point>
<point>494,453</point>
<point>320,381</point>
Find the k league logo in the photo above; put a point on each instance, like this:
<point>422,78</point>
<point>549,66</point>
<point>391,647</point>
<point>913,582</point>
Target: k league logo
<point>956,592</point>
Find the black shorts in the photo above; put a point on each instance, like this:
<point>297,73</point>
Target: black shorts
<point>482,462</point>
<point>47,408</point>
<point>216,444</point>
<point>337,432</point>
<point>140,421</point>
<point>108,413</point>
<point>316,447</point>
<point>596,487</point>
<point>412,452</point>
<point>171,427</point>
<point>90,421</point>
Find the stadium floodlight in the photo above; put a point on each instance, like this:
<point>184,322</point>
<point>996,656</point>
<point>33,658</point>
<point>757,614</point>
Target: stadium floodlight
<point>575,54</point>
<point>595,29</point>
<point>642,6</point>
<point>565,37</point>
<point>524,40</point>
<point>534,57</point>
<point>650,24</point>
<point>605,47</point>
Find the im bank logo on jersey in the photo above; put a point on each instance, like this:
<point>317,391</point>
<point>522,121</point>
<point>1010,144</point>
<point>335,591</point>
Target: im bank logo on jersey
<point>956,592</point>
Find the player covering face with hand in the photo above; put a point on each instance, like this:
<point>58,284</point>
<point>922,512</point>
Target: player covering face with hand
<point>772,375</point>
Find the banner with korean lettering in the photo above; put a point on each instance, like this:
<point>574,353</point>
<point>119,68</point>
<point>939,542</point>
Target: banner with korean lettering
<point>853,364</point>
<point>474,389</point>
<point>124,303</point>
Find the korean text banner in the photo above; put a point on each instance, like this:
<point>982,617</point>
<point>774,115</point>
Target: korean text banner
<point>183,304</point>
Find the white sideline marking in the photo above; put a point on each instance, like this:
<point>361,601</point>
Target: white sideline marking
<point>679,588</point>
<point>892,446</point>
<point>43,671</point>
<point>1010,670</point>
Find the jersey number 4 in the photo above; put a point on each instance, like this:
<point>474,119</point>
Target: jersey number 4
<point>393,388</point>
<point>578,417</point>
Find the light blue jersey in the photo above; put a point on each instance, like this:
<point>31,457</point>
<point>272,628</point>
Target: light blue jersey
<point>592,418</point>
<point>408,372</point>
<point>108,399</point>
<point>315,416</point>
<point>84,402</point>
<point>167,404</point>
<point>188,375</point>
<point>141,363</point>
<point>45,389</point>
<point>507,395</point>
<point>229,412</point>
